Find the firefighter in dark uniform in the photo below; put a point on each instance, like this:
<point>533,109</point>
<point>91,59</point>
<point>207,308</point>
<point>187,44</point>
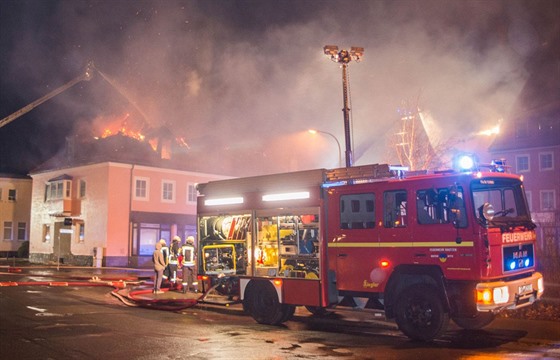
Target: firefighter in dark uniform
<point>174,251</point>
<point>189,271</point>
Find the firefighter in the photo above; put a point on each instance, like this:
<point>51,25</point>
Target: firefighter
<point>189,273</point>
<point>165,252</point>
<point>174,260</point>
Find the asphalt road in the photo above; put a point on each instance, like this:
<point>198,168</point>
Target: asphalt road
<point>87,322</point>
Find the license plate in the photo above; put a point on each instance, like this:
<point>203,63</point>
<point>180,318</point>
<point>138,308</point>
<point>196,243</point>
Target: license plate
<point>525,289</point>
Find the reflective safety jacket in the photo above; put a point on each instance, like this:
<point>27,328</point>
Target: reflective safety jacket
<point>188,255</point>
<point>174,253</point>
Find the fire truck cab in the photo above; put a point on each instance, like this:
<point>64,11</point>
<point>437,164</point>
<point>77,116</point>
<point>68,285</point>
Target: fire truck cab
<point>423,247</point>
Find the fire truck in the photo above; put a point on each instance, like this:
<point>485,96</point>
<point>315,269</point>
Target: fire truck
<point>424,247</point>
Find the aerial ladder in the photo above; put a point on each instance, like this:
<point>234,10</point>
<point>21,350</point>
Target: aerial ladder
<point>86,76</point>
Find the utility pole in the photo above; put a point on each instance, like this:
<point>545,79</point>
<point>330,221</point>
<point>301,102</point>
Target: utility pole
<point>343,57</point>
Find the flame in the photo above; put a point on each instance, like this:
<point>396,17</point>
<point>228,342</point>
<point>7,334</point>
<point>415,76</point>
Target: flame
<point>492,131</point>
<point>124,125</point>
<point>123,131</point>
<point>182,142</point>
<point>119,125</point>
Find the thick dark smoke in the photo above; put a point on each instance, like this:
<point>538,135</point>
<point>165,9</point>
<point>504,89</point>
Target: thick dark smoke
<point>248,78</point>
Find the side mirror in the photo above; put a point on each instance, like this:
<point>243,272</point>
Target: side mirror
<point>456,217</point>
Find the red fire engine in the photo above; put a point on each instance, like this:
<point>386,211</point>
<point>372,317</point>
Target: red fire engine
<point>425,248</point>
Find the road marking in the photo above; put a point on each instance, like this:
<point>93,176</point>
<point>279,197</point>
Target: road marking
<point>36,309</point>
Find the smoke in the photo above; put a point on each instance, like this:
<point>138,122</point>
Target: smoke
<point>248,77</point>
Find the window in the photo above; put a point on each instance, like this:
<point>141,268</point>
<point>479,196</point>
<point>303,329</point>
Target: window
<point>22,231</point>
<point>504,195</point>
<point>57,190</point>
<point>81,231</point>
<point>145,236</point>
<point>141,188</point>
<point>394,208</point>
<point>0,194</point>
<point>191,193</point>
<point>441,206</point>
<point>546,161</point>
<point>357,211</point>
<point>522,163</point>
<point>167,191</point>
<point>82,188</point>
<point>8,230</point>
<point>548,200</point>
<point>46,232</point>
<point>12,195</point>
<point>529,200</point>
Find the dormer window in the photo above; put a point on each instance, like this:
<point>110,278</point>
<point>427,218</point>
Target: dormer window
<point>59,188</point>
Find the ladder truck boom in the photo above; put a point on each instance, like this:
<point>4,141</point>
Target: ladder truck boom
<point>86,76</point>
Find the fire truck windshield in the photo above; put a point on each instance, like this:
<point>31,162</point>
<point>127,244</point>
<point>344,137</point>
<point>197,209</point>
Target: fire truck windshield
<point>500,202</point>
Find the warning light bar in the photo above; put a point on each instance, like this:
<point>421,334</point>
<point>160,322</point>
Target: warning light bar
<point>224,201</point>
<point>286,196</point>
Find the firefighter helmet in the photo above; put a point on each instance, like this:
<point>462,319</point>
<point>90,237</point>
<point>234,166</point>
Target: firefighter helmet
<point>189,240</point>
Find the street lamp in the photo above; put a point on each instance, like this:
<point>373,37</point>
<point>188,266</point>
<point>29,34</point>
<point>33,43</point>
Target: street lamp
<point>343,57</point>
<point>313,131</point>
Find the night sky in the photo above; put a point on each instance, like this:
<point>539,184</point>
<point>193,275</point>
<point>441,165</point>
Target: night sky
<point>250,76</point>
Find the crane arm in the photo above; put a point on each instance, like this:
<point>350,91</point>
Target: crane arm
<point>87,75</point>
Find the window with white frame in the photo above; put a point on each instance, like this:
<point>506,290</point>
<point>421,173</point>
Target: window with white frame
<point>57,190</point>
<point>168,191</point>
<point>522,163</point>
<point>191,193</point>
<point>141,188</point>
<point>8,231</point>
<point>22,231</point>
<point>546,161</point>
<point>548,200</point>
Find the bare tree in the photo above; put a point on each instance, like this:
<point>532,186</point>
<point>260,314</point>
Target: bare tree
<point>412,145</point>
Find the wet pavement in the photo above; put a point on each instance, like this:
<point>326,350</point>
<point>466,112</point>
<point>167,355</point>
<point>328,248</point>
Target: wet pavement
<point>132,286</point>
<point>76,318</point>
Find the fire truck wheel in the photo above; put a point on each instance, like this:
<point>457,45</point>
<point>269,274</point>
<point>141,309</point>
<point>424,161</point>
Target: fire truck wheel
<point>420,313</point>
<point>288,311</point>
<point>263,304</point>
<point>317,310</point>
<point>478,322</point>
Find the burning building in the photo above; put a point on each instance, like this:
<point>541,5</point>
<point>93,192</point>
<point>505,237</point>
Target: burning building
<point>108,201</point>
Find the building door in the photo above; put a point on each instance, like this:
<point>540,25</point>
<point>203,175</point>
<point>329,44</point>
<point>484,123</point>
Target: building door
<point>62,242</point>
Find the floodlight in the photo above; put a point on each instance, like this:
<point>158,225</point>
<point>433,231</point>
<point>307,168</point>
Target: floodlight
<point>344,57</point>
<point>357,53</point>
<point>331,50</point>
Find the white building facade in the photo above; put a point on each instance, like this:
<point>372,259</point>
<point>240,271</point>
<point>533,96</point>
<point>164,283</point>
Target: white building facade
<point>110,213</point>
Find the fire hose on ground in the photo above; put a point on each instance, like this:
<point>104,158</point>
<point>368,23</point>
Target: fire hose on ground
<point>132,297</point>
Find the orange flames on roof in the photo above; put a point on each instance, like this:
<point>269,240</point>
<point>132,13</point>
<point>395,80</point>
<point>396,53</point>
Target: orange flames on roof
<point>119,125</point>
<point>123,131</point>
